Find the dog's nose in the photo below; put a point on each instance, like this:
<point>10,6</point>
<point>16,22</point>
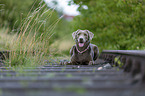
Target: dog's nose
<point>81,40</point>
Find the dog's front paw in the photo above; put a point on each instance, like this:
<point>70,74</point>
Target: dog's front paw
<point>64,63</point>
<point>91,63</point>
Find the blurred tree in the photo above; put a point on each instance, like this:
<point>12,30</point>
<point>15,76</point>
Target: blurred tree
<point>13,12</point>
<point>117,24</point>
<point>55,2</point>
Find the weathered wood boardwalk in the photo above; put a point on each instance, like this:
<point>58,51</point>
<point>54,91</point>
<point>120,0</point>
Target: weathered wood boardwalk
<point>77,80</point>
<point>70,80</point>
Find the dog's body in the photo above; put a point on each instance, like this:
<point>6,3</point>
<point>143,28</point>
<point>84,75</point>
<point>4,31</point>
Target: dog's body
<point>83,52</point>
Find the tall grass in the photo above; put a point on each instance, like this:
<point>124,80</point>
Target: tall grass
<point>31,44</point>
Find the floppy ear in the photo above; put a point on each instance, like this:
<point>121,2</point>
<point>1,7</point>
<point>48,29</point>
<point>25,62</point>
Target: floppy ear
<point>74,33</point>
<point>91,35</point>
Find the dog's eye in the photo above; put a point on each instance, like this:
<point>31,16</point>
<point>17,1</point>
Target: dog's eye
<point>85,34</point>
<point>79,34</point>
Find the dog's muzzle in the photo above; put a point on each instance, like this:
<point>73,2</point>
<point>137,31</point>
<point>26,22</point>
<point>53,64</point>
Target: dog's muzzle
<point>81,42</point>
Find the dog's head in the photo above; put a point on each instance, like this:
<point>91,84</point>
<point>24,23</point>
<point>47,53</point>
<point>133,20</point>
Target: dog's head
<point>82,36</point>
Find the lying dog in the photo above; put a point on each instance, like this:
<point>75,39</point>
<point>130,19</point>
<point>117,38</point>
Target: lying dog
<point>83,52</point>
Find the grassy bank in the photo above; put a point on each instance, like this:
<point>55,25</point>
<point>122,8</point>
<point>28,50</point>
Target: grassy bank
<point>29,45</point>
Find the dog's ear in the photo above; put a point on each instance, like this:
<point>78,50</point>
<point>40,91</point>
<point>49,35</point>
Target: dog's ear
<point>74,33</point>
<point>91,35</point>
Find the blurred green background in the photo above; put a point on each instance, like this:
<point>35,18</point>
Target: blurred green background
<point>116,24</point>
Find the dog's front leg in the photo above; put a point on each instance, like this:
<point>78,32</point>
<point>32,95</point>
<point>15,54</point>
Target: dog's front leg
<point>69,62</point>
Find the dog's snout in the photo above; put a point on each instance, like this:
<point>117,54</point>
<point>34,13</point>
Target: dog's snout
<point>81,40</point>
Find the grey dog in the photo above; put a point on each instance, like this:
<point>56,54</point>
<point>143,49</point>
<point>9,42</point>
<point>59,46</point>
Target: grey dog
<point>83,52</point>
